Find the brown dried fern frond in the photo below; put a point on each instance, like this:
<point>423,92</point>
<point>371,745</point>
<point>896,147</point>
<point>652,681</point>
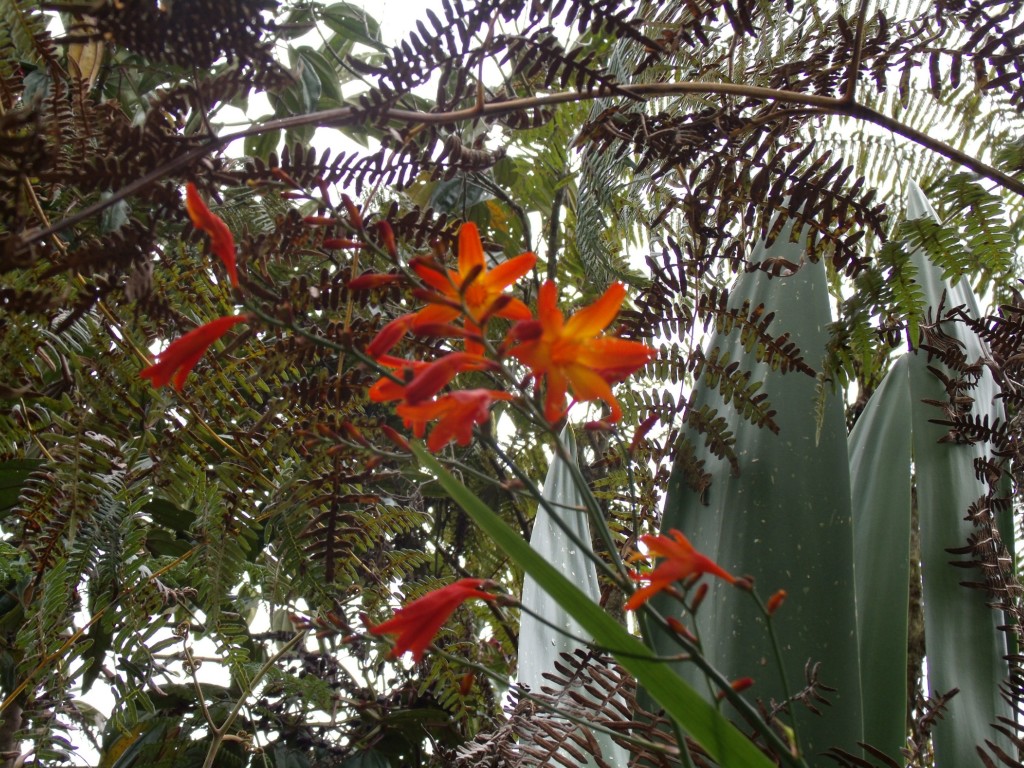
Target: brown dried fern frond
<point>549,727</point>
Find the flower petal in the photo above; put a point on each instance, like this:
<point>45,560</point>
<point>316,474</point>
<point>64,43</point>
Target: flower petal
<point>588,384</point>
<point>471,250</point>
<point>222,242</point>
<point>591,320</point>
<point>506,273</point>
<point>548,313</point>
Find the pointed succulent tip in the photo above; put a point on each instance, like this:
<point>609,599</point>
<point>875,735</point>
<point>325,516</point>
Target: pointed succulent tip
<point>918,206</point>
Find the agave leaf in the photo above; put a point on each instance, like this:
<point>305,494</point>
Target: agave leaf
<point>705,724</point>
<point>964,647</point>
<point>880,479</point>
<point>540,644</point>
<point>784,519</point>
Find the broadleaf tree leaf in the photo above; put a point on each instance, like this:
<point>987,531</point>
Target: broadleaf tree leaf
<point>353,22</point>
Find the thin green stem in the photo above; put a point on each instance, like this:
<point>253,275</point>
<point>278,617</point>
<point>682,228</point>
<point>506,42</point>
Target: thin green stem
<point>744,707</point>
<point>532,489</point>
<point>218,735</point>
<point>777,652</point>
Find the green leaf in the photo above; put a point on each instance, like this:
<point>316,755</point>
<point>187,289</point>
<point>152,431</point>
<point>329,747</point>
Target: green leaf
<point>308,86</point>
<point>314,62</point>
<point>784,518</point>
<point>880,479</point>
<point>170,515</point>
<point>457,194</point>
<point>352,22</point>
<point>13,475</point>
<point>956,619</point>
<point>540,645</point>
<point>262,144</point>
<point>706,725</point>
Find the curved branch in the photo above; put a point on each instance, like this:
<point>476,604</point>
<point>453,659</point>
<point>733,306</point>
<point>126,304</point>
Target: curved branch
<point>354,115</point>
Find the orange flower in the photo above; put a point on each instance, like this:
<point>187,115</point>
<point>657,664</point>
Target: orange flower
<point>222,243</point>
<point>418,622</point>
<point>177,361</point>
<point>457,413</point>
<point>681,560</point>
<point>474,287</point>
<point>427,379</point>
<point>574,353</point>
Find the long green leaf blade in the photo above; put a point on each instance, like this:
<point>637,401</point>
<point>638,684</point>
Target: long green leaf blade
<point>880,479</point>
<point>964,647</point>
<point>540,644</point>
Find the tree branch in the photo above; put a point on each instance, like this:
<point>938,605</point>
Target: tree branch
<point>354,115</point>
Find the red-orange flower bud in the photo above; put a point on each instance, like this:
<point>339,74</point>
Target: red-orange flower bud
<point>354,216</point>
<point>432,379</point>
<point>775,601</point>
<point>388,336</point>
<point>282,175</point>
<point>641,431</point>
<point>319,221</point>
<point>387,237</point>
<point>396,438</point>
<point>681,629</point>
<point>698,597</point>
<point>368,281</point>
<point>443,331</point>
<point>417,622</point>
<point>741,684</point>
<point>737,685</point>
<point>176,362</point>
<point>353,432</point>
<point>332,243</point>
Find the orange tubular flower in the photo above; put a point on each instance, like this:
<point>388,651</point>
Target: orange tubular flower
<point>458,411</point>
<point>222,243</point>
<point>427,378</point>
<point>475,287</point>
<point>388,336</point>
<point>176,362</point>
<point>574,353</point>
<point>418,622</point>
<point>681,560</point>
